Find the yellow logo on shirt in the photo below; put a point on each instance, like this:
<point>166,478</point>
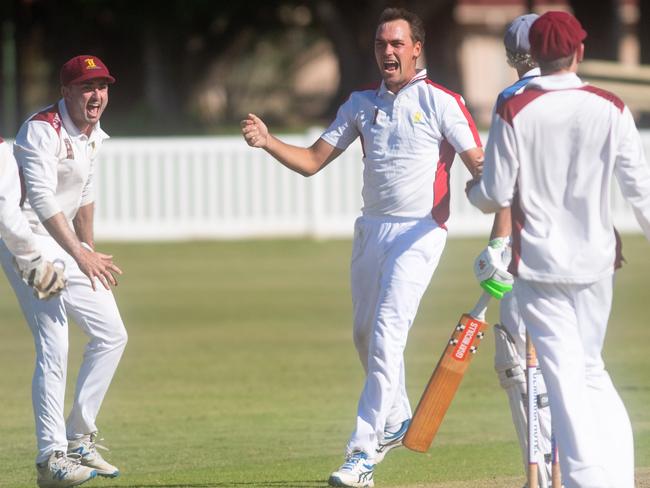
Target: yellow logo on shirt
<point>418,117</point>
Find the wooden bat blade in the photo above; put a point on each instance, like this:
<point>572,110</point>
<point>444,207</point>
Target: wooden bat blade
<point>444,382</point>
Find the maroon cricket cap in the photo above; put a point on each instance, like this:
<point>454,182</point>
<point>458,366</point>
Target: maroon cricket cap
<point>555,35</point>
<point>82,68</point>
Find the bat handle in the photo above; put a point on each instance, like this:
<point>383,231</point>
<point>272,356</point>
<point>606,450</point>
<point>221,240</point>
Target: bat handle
<point>478,312</point>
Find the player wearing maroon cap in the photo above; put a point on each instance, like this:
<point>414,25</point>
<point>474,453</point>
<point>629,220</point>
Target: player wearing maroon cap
<point>552,154</point>
<point>56,151</point>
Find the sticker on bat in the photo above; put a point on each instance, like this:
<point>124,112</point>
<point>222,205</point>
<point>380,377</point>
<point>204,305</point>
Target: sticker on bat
<point>466,340</point>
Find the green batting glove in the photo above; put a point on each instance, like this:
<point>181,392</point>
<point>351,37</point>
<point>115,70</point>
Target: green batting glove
<point>496,288</point>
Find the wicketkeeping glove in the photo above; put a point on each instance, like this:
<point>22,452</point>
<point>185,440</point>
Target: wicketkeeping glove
<point>44,277</point>
<point>491,268</point>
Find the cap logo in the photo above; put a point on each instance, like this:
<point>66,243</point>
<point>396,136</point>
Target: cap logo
<point>90,63</point>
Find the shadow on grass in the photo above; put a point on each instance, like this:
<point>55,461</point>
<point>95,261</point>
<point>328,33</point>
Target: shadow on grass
<point>233,484</point>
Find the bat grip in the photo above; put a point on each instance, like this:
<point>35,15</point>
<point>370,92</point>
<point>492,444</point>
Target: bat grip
<point>478,312</point>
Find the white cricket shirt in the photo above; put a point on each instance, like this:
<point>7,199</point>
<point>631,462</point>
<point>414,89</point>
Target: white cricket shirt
<point>14,228</point>
<point>409,140</point>
<point>552,154</point>
<point>56,162</point>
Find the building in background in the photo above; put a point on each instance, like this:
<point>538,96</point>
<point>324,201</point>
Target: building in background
<point>197,67</point>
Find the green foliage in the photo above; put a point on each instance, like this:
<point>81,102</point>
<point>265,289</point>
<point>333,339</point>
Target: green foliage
<point>240,370</point>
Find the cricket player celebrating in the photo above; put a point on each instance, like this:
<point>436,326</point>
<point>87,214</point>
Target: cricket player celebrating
<point>56,151</point>
<point>405,126</point>
<point>552,154</point>
<point>491,269</point>
<point>38,273</point>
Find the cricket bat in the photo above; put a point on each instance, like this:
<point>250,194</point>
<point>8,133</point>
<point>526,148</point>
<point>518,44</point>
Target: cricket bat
<point>446,378</point>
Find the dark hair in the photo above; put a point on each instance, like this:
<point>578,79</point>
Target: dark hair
<point>415,22</point>
<point>555,64</point>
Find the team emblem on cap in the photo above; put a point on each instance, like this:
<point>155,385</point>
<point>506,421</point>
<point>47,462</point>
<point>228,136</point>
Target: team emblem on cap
<point>90,63</point>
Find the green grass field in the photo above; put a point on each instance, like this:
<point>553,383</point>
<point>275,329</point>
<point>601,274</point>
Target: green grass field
<point>240,370</point>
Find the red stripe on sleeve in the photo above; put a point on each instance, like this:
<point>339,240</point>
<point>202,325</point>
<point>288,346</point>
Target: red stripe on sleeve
<point>441,195</point>
<point>50,115</point>
<point>463,108</point>
<point>606,95</point>
<point>508,110</point>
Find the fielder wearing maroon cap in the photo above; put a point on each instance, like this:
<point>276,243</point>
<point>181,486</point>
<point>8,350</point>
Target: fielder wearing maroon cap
<point>555,35</point>
<point>83,68</point>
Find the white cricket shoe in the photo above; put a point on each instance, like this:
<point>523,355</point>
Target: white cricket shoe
<point>392,438</point>
<point>61,471</point>
<point>355,472</point>
<point>86,448</point>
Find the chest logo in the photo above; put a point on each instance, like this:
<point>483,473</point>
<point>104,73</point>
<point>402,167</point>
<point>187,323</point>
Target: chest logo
<point>418,117</point>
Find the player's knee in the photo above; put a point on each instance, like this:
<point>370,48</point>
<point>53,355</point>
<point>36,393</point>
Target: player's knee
<point>121,337</point>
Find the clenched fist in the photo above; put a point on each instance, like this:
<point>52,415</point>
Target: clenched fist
<point>254,131</point>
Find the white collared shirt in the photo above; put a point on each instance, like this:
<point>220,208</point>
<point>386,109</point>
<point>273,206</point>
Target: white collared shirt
<point>409,140</point>
<point>552,154</point>
<point>56,162</point>
<point>14,229</point>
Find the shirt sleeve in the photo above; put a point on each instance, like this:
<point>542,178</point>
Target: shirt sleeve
<point>496,187</point>
<point>457,125</point>
<point>36,147</point>
<point>632,171</point>
<point>14,229</point>
<point>343,130</point>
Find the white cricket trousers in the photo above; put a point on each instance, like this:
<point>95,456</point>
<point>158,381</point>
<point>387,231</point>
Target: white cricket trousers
<point>97,314</point>
<point>393,260</point>
<point>568,324</point>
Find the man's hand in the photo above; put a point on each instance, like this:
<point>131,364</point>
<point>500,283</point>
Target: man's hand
<point>254,131</point>
<point>491,268</point>
<point>45,278</point>
<point>97,265</point>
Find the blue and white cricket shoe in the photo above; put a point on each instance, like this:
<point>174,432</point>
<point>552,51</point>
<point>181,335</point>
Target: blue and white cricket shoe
<point>392,438</point>
<point>87,448</point>
<point>355,472</point>
<point>62,471</point>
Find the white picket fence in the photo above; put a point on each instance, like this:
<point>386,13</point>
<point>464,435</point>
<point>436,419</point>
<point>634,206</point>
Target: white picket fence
<point>219,188</point>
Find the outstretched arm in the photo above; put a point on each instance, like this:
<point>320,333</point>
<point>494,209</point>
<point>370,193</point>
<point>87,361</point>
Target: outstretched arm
<point>303,160</point>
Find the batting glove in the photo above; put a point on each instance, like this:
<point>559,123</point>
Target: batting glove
<point>491,268</point>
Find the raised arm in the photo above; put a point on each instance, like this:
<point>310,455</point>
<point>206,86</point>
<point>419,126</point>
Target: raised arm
<point>303,160</point>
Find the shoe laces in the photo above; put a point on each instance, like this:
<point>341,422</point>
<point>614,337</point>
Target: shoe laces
<point>67,462</point>
<point>354,459</point>
<point>93,445</point>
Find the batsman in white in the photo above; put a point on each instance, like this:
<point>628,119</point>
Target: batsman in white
<point>46,280</point>
<point>552,154</point>
<point>410,130</point>
<point>56,151</point>
<point>491,269</point>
